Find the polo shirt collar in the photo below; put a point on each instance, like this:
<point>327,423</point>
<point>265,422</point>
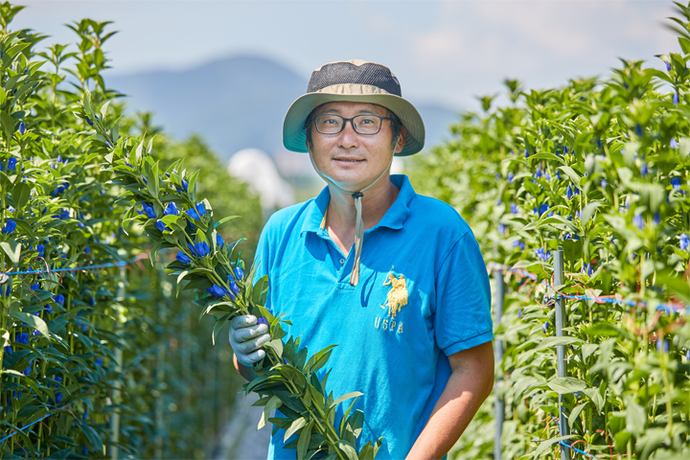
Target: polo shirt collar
<point>393,219</point>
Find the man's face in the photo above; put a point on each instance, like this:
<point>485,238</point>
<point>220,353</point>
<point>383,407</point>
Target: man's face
<point>350,159</point>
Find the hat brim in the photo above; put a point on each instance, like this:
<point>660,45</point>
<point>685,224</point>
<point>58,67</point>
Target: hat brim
<point>293,125</point>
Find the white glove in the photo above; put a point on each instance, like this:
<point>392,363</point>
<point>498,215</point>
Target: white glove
<point>247,338</point>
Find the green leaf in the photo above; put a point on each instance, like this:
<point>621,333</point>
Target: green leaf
<point>296,425</point>
<point>304,439</point>
<point>345,397</point>
<point>565,385</point>
<point>273,403</point>
<point>546,445</point>
<point>12,249</point>
<point>348,450</point>
<point>319,360</point>
<point>572,417</point>
<point>225,219</point>
<point>20,195</point>
<point>594,395</point>
<point>33,321</point>
<point>635,418</point>
<point>276,345</point>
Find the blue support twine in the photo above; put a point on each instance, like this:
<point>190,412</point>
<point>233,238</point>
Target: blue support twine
<point>22,430</point>
<point>75,269</point>
<point>668,308</point>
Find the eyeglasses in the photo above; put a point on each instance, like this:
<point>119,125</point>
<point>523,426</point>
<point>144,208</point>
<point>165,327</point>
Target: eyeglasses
<point>362,124</point>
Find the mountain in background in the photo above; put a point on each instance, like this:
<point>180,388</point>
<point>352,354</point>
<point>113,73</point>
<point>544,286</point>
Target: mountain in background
<point>236,103</point>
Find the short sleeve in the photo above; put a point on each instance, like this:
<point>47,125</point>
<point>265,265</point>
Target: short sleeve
<point>462,318</point>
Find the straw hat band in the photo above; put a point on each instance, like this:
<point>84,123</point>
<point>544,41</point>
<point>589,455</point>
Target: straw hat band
<point>352,88</point>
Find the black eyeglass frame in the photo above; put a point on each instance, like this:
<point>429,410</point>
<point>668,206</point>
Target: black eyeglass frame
<point>351,120</point>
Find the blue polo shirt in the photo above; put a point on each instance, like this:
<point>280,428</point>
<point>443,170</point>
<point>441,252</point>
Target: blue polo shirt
<point>423,295</point>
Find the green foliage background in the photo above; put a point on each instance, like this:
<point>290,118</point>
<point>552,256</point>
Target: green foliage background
<point>599,169</point>
<point>108,350</point>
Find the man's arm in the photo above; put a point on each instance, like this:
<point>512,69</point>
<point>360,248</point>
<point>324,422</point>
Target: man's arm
<point>470,383</point>
<point>246,372</point>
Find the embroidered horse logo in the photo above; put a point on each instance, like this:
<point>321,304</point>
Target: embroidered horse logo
<point>397,296</point>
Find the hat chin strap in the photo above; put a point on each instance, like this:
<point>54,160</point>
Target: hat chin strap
<point>359,223</point>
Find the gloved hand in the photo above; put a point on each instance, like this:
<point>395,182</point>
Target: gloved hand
<point>246,339</point>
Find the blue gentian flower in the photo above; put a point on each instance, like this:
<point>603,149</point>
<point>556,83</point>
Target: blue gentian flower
<point>569,192</point>
<point>22,338</point>
<point>668,66</point>
<point>514,208</point>
<point>216,291</point>
<point>185,185</point>
<point>92,301</point>
<point>27,371</point>
<point>603,183</point>
<point>643,169</point>
<point>657,218</point>
<point>510,177</point>
<point>519,314</point>
<point>58,397</point>
<point>191,212</point>
<point>234,290</point>
<point>684,241</point>
<point>501,229</point>
<point>676,98</point>
<point>662,344</point>
<point>22,127</point>
<point>219,241</point>
<point>638,221</point>
<point>8,350</point>
<point>239,273</point>
<point>558,174</point>
<point>87,250</point>
<point>62,214</point>
<point>12,164</point>
<point>526,154</point>
<point>498,176</point>
<point>89,122</point>
<point>545,327</point>
<point>543,208</point>
<point>48,308</point>
<point>36,286</point>
<point>182,257</point>
<point>537,174</point>
<point>546,176</point>
<point>673,144</point>
<point>638,129</point>
<point>59,299</point>
<point>99,362</point>
<point>201,210</point>
<point>9,227</point>
<point>160,225</point>
<point>148,209</point>
<point>543,254</point>
<point>171,209</point>
<point>262,320</point>
<point>199,249</point>
<point>675,182</point>
<point>589,270</point>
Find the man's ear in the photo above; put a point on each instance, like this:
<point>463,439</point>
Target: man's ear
<point>401,140</point>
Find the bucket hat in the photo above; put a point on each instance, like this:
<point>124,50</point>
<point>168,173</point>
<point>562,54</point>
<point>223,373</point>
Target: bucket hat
<point>353,81</point>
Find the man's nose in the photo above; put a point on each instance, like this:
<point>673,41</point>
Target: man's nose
<point>348,136</point>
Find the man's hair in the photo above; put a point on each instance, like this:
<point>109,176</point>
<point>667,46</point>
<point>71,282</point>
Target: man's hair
<point>396,127</point>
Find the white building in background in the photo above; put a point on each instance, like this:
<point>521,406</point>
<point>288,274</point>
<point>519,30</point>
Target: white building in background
<point>259,171</point>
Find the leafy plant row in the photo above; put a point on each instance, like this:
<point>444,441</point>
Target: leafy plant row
<point>105,358</point>
<point>598,169</point>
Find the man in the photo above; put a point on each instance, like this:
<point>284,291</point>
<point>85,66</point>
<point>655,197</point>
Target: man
<point>395,279</point>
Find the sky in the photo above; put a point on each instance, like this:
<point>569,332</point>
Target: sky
<point>443,52</point>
